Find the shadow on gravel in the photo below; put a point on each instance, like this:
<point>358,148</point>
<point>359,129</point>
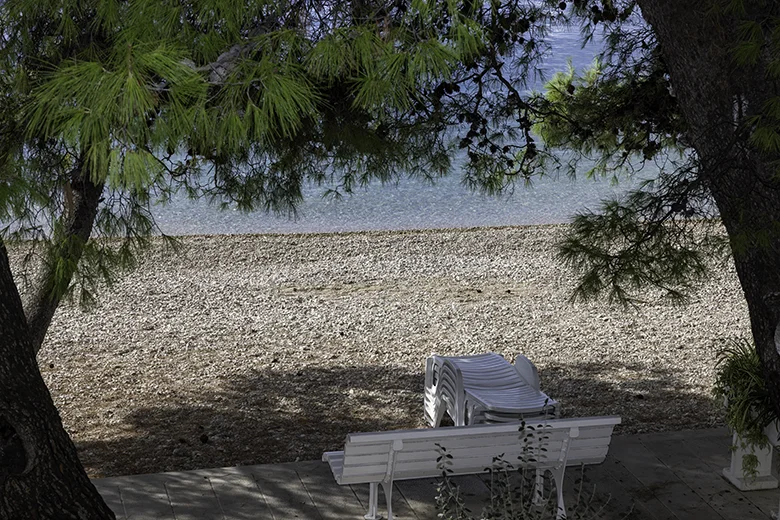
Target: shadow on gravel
<point>279,416</point>
<point>261,417</point>
<point>645,398</point>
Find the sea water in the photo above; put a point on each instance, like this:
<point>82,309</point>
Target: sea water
<point>409,204</point>
<point>414,203</point>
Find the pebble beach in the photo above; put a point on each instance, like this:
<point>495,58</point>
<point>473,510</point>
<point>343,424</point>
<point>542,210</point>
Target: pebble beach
<point>248,349</point>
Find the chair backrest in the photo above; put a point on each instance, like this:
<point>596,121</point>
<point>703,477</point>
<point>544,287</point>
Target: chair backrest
<point>474,369</point>
<point>527,370</point>
<point>407,454</point>
<point>503,387</point>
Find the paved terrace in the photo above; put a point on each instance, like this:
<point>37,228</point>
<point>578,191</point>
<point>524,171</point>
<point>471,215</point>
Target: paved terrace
<point>652,476</point>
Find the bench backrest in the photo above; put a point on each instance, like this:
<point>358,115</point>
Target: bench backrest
<point>407,454</point>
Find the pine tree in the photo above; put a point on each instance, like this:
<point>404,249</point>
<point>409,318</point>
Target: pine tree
<point>110,106</point>
<point>695,88</point>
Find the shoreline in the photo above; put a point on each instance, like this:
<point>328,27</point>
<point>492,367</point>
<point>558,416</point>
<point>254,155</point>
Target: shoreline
<point>379,231</point>
<point>325,234</point>
<point>273,347</point>
<point>156,237</point>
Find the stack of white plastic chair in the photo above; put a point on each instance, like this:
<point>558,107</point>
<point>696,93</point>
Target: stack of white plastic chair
<point>484,388</point>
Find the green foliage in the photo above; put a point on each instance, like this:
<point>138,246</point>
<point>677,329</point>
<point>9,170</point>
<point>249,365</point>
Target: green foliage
<point>749,462</point>
<point>646,239</point>
<point>617,122</point>
<point>740,383</point>
<point>615,118</point>
<point>621,115</point>
<point>244,103</point>
<point>757,48</point>
<point>449,501</point>
<point>240,102</point>
<point>513,491</point>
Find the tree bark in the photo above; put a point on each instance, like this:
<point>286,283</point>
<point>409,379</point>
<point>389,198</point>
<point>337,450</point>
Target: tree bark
<point>716,95</point>
<point>78,218</point>
<point>40,474</point>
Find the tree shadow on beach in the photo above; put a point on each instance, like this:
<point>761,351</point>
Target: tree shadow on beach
<point>278,415</point>
<point>645,397</point>
<point>261,417</point>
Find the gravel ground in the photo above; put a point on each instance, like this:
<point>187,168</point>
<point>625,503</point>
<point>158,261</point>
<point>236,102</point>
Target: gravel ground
<point>253,349</point>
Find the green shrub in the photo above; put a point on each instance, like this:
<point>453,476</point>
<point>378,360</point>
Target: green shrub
<point>749,409</point>
<point>513,493</point>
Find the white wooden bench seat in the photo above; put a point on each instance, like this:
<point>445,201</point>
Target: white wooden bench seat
<point>383,457</point>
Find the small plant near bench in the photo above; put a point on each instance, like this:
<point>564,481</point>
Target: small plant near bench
<point>516,493</point>
<point>749,414</point>
<point>380,458</point>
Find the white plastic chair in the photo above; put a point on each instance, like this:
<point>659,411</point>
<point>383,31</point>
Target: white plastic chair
<point>483,388</point>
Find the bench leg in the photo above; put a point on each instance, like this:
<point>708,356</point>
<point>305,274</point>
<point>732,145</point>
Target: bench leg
<point>373,497</point>
<point>388,489</point>
<point>558,476</point>
<point>538,498</point>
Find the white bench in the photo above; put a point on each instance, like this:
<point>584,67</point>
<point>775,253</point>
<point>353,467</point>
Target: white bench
<point>382,457</point>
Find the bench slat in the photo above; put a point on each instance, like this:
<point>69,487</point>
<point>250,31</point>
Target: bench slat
<point>489,429</point>
<point>460,466</point>
<point>511,449</point>
<point>335,460</point>
<point>382,457</point>
<point>469,441</point>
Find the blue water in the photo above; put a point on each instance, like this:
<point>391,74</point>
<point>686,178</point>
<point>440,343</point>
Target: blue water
<point>413,203</point>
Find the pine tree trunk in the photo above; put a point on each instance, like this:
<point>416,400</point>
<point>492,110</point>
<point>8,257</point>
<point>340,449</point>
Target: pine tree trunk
<point>78,218</point>
<point>716,95</point>
<point>40,474</point>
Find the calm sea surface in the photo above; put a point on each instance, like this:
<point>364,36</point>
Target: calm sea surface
<point>412,203</point>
